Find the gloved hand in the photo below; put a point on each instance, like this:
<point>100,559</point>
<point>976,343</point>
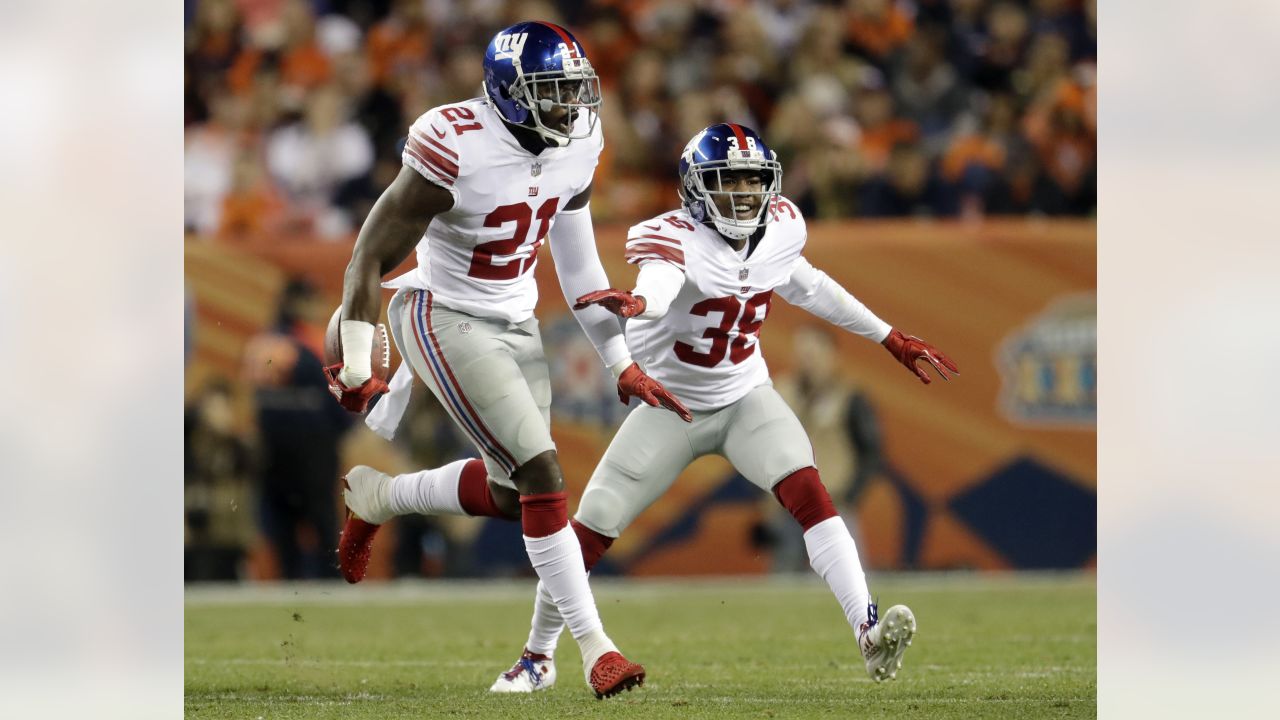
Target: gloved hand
<point>908,349</point>
<point>354,399</point>
<point>618,302</point>
<point>633,381</point>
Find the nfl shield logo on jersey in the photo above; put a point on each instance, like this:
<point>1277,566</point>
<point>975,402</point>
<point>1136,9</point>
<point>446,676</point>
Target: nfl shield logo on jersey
<point>742,274</point>
<point>535,170</point>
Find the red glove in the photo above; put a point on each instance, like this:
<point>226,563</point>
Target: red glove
<point>618,302</point>
<point>354,399</point>
<point>908,349</point>
<point>633,381</point>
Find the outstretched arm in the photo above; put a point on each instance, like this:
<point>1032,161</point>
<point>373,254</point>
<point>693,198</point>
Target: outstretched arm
<point>578,268</point>
<point>656,288</point>
<point>814,291</point>
<point>393,228</point>
<point>573,247</point>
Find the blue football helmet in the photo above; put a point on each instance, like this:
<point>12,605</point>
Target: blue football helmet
<point>722,148</point>
<point>531,68</point>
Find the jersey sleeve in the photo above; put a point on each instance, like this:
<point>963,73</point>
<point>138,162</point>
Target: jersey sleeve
<point>814,291</point>
<point>653,242</point>
<point>433,151</point>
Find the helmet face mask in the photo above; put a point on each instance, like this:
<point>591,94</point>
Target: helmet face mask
<point>722,155</point>
<point>537,77</point>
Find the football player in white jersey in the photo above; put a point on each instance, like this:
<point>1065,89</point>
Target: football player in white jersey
<point>708,275</point>
<point>484,182</point>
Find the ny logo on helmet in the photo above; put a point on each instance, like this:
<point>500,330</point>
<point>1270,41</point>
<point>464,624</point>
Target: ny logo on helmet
<point>509,45</point>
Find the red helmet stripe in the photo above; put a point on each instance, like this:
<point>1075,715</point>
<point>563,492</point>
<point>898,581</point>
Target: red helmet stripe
<point>742,138</point>
<point>564,36</point>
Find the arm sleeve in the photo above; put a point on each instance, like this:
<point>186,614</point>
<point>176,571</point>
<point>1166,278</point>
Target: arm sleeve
<point>658,283</point>
<point>573,247</point>
<point>814,291</point>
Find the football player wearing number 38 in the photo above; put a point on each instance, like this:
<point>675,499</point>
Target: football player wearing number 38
<point>484,182</point>
<point>708,275</point>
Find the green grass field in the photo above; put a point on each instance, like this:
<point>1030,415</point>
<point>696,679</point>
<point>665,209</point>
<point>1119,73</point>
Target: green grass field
<point>987,647</point>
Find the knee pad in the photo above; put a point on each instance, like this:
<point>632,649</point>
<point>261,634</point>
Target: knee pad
<point>600,510</point>
<point>804,496</point>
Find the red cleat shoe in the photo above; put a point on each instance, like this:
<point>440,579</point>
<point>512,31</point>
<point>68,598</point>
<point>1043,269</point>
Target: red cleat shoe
<point>613,673</point>
<point>354,548</point>
<point>364,490</point>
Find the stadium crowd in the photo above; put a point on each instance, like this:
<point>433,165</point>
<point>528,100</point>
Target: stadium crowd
<point>946,108</point>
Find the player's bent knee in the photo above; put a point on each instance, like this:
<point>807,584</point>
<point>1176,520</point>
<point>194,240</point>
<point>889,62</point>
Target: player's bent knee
<point>506,500</point>
<point>539,475</point>
<point>804,496</point>
<point>601,510</point>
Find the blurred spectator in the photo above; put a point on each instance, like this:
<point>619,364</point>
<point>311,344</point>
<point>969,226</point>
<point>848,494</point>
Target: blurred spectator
<point>219,513</point>
<point>1000,52</point>
<point>292,43</point>
<point>209,154</point>
<point>399,43</point>
<point>877,28</point>
<point>880,128</point>
<point>926,88</point>
<point>834,85</point>
<point>323,162</point>
<point>252,208</point>
<point>975,163</point>
<point>909,187</point>
<point>842,425</point>
<point>1066,149</point>
<point>299,427</point>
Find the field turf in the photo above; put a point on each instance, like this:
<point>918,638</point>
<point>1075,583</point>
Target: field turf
<point>1011,646</point>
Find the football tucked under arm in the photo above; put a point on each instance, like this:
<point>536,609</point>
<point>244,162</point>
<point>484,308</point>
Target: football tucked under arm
<point>358,345</point>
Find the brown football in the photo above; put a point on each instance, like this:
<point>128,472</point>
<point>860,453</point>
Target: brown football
<point>379,361</point>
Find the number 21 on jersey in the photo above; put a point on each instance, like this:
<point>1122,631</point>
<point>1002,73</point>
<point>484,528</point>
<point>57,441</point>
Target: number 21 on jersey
<point>483,263</point>
<point>739,343</point>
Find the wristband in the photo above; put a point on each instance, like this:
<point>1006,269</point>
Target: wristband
<point>618,367</point>
<point>357,348</point>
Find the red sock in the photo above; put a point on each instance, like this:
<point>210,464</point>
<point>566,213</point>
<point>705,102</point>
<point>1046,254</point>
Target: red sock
<point>804,496</point>
<point>543,515</point>
<point>473,491</point>
<point>593,543</point>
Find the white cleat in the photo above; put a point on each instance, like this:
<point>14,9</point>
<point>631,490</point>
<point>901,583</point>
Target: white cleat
<point>367,494</point>
<point>532,672</point>
<point>884,642</point>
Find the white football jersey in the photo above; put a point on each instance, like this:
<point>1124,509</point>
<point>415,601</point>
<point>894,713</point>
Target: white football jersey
<point>706,349</point>
<point>479,256</point>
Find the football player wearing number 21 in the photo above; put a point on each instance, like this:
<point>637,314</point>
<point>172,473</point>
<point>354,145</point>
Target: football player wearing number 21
<point>708,275</point>
<point>483,182</point>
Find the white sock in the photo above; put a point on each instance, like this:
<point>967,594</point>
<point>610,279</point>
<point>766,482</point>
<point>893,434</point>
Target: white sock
<point>834,556</point>
<point>557,558</point>
<point>544,634</point>
<point>429,492</point>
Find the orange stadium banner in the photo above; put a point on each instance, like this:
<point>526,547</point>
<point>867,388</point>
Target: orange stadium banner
<point>995,470</point>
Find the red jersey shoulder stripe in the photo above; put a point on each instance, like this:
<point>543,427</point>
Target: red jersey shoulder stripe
<point>426,165</point>
<point>634,238</point>
<point>441,148</point>
<point>653,251</point>
<point>426,154</point>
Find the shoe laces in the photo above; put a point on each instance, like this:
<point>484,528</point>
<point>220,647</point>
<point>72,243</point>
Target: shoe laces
<point>873,618</point>
<point>524,664</point>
